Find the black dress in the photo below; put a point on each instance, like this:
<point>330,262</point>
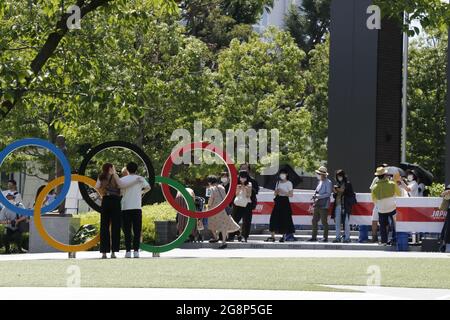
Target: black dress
<point>281,217</point>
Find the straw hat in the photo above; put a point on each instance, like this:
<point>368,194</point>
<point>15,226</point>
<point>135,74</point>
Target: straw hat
<point>381,171</point>
<point>322,171</point>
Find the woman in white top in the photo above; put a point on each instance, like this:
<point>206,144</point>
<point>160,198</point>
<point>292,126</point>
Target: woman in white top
<point>281,218</point>
<point>413,187</point>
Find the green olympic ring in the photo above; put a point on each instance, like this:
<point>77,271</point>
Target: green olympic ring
<point>191,221</point>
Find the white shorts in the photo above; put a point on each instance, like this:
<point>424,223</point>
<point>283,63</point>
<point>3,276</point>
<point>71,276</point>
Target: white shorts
<point>375,216</point>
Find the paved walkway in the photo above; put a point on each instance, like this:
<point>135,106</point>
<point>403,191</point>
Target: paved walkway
<point>240,253</point>
<point>367,293</point>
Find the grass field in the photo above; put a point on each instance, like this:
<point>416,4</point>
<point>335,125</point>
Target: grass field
<point>221,273</point>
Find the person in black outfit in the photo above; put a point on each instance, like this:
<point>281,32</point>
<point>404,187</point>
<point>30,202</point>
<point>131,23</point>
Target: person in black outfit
<point>243,213</point>
<point>281,218</point>
<point>445,234</point>
<point>109,185</point>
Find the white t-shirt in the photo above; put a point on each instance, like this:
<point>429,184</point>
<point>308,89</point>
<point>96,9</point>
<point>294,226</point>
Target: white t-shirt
<point>132,196</point>
<point>285,186</point>
<point>414,186</point>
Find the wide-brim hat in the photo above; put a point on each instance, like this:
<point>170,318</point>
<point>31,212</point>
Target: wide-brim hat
<point>322,170</point>
<point>381,171</point>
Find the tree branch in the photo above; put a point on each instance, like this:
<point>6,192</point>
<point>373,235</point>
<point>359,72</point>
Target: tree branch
<point>47,51</point>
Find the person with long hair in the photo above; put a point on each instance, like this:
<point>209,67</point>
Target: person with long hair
<point>181,219</point>
<point>281,218</point>
<point>221,223</point>
<point>109,186</point>
<point>242,206</point>
<point>344,199</point>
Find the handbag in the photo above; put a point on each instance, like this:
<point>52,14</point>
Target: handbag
<point>200,226</point>
<point>241,200</point>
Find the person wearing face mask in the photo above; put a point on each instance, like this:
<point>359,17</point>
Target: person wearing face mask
<point>221,223</point>
<point>11,221</point>
<point>344,199</point>
<point>242,207</point>
<point>225,182</point>
<point>321,204</point>
<point>281,217</point>
<point>413,188</point>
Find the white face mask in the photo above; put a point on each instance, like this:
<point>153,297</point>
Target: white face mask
<point>340,179</point>
<point>224,180</point>
<point>283,176</point>
<point>410,178</point>
<point>319,177</point>
<point>243,180</point>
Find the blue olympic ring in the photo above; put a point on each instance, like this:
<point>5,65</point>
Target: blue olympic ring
<point>61,157</point>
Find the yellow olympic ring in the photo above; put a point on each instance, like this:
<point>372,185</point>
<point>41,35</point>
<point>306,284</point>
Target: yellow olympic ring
<point>38,221</point>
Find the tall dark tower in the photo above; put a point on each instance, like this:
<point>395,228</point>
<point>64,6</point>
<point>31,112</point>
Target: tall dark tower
<point>365,92</point>
<point>447,141</point>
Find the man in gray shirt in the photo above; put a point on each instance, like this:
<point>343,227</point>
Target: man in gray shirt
<point>321,204</point>
<point>11,221</point>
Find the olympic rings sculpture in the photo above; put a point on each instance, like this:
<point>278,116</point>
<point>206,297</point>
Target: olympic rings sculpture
<point>83,180</point>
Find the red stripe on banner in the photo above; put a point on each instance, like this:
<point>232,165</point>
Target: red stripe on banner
<point>421,215</point>
<point>407,214</point>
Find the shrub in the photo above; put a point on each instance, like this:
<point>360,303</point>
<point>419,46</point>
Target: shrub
<point>436,189</point>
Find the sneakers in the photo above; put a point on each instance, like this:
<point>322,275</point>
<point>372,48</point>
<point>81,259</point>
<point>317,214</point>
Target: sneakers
<point>128,255</point>
<point>104,256</point>
<point>337,241</point>
<point>136,254</point>
<point>270,239</point>
<point>312,240</point>
<point>113,256</point>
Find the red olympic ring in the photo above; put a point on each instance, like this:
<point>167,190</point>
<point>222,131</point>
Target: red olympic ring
<point>231,169</point>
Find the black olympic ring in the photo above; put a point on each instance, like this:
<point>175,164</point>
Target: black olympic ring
<point>108,145</point>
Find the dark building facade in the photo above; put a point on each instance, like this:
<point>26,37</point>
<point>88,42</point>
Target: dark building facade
<point>365,92</point>
<point>447,144</point>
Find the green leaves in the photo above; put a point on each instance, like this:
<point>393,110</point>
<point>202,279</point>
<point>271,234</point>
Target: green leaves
<point>432,14</point>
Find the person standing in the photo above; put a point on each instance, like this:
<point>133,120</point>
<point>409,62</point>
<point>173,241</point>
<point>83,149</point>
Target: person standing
<point>321,204</point>
<point>445,233</point>
<point>11,221</point>
<point>242,207</point>
<point>255,186</point>
<point>383,195</point>
<point>375,215</point>
<point>182,220</point>
<point>225,182</point>
<point>132,208</point>
<point>109,185</point>
<point>344,199</point>
<point>221,223</point>
<point>281,217</point>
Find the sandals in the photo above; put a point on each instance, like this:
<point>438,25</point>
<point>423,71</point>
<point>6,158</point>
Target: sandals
<point>270,239</point>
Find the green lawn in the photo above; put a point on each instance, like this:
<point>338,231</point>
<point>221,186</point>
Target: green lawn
<point>239,273</point>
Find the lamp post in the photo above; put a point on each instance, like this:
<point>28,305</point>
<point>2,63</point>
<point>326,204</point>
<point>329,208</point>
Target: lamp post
<point>405,87</point>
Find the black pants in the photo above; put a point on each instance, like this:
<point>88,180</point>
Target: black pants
<point>110,216</point>
<point>132,220</point>
<point>244,214</point>
<point>12,236</point>
<point>384,225</point>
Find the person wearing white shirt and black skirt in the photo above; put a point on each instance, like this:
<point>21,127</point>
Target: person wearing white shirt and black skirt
<point>281,218</point>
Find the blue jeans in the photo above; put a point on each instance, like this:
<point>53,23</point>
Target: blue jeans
<point>337,219</point>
